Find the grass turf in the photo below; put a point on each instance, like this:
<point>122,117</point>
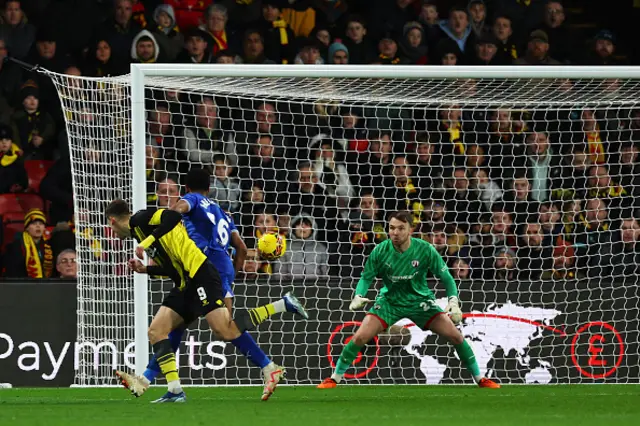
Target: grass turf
<point>346,405</point>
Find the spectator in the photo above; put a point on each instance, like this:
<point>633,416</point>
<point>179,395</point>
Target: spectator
<point>215,26</point>
<point>309,53</point>
<point>504,266</point>
<point>451,130</point>
<point>338,53</point>
<point>477,11</point>
<point>626,260</point>
<point>428,171</point>
<point>593,239</point>
<point>602,50</point>
<point>400,192</point>
<point>361,49</point>
<point>457,28</point>
<point>486,190</point>
<point>525,15</point>
<point>278,36</point>
<point>626,170</point>
<point>564,262</point>
<point>560,36</point>
<point>460,268</point>
<point>34,130</point>
<point>602,186</point>
<point>225,189</point>
<point>436,236</point>
<point>537,51</point>
<point>533,256</point>
<point>162,134</point>
<point>254,267</point>
<point>101,63</point>
<point>253,48</point>
<point>262,167</point>
<point>30,256</point>
<point>331,171</point>
<point>155,172</point>
<point>301,16</point>
<point>63,237</point>
<point>306,257</point>
<point>168,192</point>
<point>18,34</point>
<point>322,35</point>
<point>66,265</point>
<point>10,82</point>
<point>550,219</point>
<point>503,31</point>
<point>195,48</point>
<point>189,13</point>
<point>448,52</point>
<point>388,51</point>
<point>506,145</point>
<point>262,222</point>
<point>462,204</point>
<point>13,176</point>
<point>519,202</point>
<point>56,187</point>
<point>486,50</point>
<point>120,30</point>
<point>589,131</point>
<point>166,32</point>
<point>225,57</point>
<point>476,157</point>
<point>390,16</point>
<point>413,46</point>
<point>375,164</point>
<point>575,169</point>
<point>543,164</point>
<point>145,48</point>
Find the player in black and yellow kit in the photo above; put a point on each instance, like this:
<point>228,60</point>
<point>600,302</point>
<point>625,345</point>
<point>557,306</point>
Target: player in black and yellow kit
<point>198,288</point>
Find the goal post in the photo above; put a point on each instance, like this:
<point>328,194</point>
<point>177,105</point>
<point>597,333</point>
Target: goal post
<point>552,323</point>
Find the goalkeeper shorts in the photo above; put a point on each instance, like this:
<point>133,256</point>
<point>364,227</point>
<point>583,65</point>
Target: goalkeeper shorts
<point>422,313</point>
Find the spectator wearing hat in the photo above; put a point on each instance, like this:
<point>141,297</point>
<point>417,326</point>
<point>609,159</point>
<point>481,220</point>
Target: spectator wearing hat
<point>457,28</point>
<point>18,34</point>
<point>361,49</point>
<point>560,36</point>
<point>413,45</point>
<point>502,29</point>
<point>195,48</point>
<point>338,53</point>
<point>166,32</point>
<point>30,256</point>
<point>309,53</point>
<point>34,130</point>
<point>448,52</point>
<point>537,51</point>
<point>279,39</point>
<point>323,35</point>
<point>388,51</point>
<point>13,176</point>
<point>602,49</point>
<point>486,51</point>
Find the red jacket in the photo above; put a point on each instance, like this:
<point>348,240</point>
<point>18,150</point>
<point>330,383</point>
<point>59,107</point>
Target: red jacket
<point>189,13</point>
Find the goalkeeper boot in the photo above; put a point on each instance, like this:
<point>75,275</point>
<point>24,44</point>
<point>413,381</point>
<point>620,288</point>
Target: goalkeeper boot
<point>294,306</point>
<point>272,375</point>
<point>488,383</point>
<point>328,383</point>
<point>136,384</point>
<point>171,397</point>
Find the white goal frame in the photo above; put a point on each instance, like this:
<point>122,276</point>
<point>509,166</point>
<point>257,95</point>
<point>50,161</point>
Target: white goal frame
<point>140,71</point>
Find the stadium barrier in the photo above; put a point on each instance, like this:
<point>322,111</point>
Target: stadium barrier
<point>521,332</point>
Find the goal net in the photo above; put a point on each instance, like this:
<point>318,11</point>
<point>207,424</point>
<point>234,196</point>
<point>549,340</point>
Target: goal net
<point>526,186</point>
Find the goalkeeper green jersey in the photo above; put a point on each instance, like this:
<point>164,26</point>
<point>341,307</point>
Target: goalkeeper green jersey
<point>404,275</point>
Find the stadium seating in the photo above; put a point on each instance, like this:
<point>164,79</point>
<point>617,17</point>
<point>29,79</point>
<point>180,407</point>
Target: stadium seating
<point>36,170</point>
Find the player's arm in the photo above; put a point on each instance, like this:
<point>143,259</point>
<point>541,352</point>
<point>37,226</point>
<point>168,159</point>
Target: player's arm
<point>241,250</point>
<point>182,206</point>
<point>137,266</point>
<point>439,269</point>
<point>366,279</point>
<point>166,221</point>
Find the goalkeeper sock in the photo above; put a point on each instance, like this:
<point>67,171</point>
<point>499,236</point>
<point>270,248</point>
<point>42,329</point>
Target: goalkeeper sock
<point>468,359</point>
<point>167,361</point>
<point>153,369</point>
<point>250,349</point>
<point>348,355</point>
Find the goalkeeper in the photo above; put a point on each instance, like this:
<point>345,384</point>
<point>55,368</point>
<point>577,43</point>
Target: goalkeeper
<point>402,263</point>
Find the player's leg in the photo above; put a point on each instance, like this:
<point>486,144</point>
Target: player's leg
<point>441,324</point>
<point>373,324</point>
<point>153,368</point>
<point>256,316</point>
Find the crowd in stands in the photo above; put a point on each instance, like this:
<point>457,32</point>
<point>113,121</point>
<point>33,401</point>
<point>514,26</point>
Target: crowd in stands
<point>502,193</point>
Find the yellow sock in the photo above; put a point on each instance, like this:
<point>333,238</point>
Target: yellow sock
<point>169,367</point>
<point>261,313</point>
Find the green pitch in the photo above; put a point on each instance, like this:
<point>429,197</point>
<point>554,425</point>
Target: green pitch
<point>346,405</point>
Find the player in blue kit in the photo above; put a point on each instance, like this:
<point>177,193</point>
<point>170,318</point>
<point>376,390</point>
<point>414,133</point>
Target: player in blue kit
<point>214,231</point>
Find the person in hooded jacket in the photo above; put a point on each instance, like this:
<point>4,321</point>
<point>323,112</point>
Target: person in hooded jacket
<point>305,257</point>
<point>145,48</point>
<point>167,33</point>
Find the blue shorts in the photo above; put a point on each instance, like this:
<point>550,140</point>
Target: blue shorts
<point>227,285</point>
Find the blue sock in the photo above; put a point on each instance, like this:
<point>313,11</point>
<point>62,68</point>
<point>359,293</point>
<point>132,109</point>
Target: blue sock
<point>249,348</point>
<point>153,369</point>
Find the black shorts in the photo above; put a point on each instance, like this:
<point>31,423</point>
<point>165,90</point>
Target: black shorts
<point>202,294</point>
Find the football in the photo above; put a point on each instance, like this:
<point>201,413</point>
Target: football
<point>272,246</point>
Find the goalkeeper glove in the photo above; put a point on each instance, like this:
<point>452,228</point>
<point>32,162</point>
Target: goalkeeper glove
<point>358,302</point>
<point>453,309</point>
